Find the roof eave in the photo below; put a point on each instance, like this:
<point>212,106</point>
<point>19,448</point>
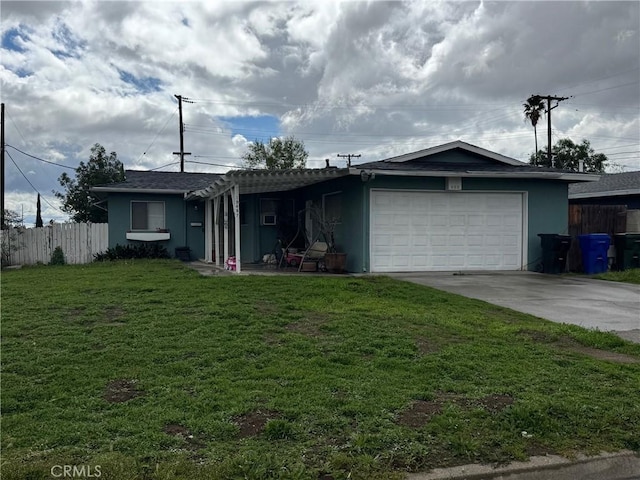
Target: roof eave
<point>138,190</point>
<point>573,177</point>
<point>451,146</point>
<point>249,181</point>
<point>610,193</point>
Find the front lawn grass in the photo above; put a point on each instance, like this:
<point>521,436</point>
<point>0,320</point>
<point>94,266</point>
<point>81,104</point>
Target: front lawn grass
<point>631,275</point>
<point>150,371</point>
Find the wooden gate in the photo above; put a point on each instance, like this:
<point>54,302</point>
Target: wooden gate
<point>609,219</point>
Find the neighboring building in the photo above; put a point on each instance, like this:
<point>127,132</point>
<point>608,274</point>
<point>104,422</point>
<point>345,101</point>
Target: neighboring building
<point>449,208</point>
<point>611,189</point>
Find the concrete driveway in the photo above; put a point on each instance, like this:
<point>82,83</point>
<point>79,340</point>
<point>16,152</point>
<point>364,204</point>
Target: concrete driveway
<point>607,306</point>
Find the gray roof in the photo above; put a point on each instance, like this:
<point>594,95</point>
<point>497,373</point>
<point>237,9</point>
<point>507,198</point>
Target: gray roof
<point>478,162</point>
<point>426,164</point>
<point>610,184</point>
<point>160,182</point>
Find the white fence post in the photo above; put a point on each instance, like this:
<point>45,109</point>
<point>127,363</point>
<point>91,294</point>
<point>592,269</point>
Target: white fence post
<point>79,242</point>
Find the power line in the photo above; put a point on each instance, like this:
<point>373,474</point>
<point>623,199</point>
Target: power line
<point>238,167</point>
<point>29,182</point>
<point>608,88</point>
<point>41,159</point>
<point>623,153</point>
<point>158,134</point>
<point>24,141</point>
<point>167,165</point>
<point>595,80</point>
<point>348,105</point>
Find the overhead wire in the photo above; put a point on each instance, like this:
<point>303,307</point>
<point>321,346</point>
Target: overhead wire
<point>158,134</point>
<point>163,166</point>
<point>32,186</point>
<point>40,159</point>
<point>24,141</point>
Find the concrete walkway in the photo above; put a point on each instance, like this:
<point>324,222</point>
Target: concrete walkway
<point>590,303</point>
<point>618,466</point>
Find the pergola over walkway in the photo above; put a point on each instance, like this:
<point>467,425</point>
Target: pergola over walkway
<point>242,182</point>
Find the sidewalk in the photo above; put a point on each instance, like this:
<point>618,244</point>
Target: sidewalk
<point>623,465</point>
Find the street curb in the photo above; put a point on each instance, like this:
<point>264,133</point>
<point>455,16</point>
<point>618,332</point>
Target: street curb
<point>624,465</point>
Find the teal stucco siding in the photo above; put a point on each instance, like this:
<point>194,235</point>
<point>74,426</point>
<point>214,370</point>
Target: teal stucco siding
<point>546,212</point>
<point>179,215</point>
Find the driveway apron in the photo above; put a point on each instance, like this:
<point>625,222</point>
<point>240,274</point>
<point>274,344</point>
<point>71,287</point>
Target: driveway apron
<point>590,303</point>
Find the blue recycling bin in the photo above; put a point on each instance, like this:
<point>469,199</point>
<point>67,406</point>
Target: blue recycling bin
<point>594,248</point>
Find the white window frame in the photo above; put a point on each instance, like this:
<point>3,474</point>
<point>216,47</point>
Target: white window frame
<point>269,213</point>
<point>164,216</point>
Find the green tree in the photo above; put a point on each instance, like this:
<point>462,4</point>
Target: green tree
<point>10,238</point>
<point>279,154</point>
<point>567,156</point>
<point>11,219</point>
<point>533,110</point>
<point>39,223</point>
<point>78,199</point>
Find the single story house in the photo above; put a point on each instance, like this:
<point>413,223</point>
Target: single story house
<point>447,208</point>
<point>611,189</point>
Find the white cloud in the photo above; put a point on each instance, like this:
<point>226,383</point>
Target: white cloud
<point>376,78</point>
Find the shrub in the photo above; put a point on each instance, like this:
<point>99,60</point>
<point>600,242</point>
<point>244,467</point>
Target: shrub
<point>139,250</point>
<point>57,257</point>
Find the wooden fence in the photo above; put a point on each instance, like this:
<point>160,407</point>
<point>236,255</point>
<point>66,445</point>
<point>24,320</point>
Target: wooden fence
<point>79,243</point>
<point>609,219</point>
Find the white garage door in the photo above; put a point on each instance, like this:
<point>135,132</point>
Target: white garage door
<point>443,231</point>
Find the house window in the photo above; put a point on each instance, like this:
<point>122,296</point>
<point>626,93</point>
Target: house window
<point>276,211</point>
<point>147,215</point>
<point>268,211</point>
<point>332,207</point>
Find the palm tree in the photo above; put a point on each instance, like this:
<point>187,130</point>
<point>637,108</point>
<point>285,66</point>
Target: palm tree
<point>532,112</point>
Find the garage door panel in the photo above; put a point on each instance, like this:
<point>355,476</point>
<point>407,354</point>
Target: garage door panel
<point>420,231</point>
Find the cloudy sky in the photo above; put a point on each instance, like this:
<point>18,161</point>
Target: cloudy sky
<point>371,78</point>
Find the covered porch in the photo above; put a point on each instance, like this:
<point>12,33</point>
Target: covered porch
<point>223,207</point>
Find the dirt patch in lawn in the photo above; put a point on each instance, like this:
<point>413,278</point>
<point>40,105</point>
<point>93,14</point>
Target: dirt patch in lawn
<point>112,314</point>
<point>427,346</point>
<point>603,354</point>
<point>253,423</point>
<point>76,312</point>
<point>183,433</point>
<point>266,308</point>
<point>566,343</point>
<point>534,449</point>
<point>111,317</point>
<point>119,391</point>
<point>310,325</point>
<point>272,339</point>
<point>420,412</point>
<point>495,403</point>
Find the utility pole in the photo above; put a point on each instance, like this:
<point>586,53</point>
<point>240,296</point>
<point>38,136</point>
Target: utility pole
<point>548,98</point>
<point>348,156</point>
<point>2,158</point>
<point>182,153</point>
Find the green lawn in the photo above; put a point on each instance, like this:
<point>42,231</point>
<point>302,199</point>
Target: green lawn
<point>150,371</point>
<point>629,276</point>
